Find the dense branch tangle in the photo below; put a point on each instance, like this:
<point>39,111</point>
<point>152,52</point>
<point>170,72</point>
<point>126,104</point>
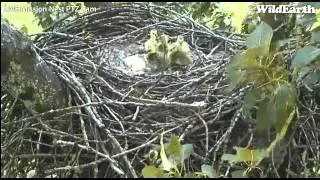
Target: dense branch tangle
<point>116,118</point>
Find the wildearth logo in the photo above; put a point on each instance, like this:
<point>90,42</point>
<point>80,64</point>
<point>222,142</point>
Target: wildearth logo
<point>308,9</point>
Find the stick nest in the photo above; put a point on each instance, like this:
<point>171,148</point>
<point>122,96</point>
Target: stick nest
<point>112,118</point>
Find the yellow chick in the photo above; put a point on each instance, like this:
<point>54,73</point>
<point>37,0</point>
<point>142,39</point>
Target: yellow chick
<point>156,61</point>
<point>157,51</point>
<point>152,43</point>
<point>164,49</point>
<point>179,53</point>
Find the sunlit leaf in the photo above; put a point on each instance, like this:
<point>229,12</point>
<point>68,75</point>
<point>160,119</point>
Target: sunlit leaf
<point>21,19</point>
<point>238,174</point>
<point>229,157</point>
<point>235,77</point>
<point>315,37</point>
<point>315,26</point>
<point>249,155</point>
<point>187,150</point>
<point>174,148</point>
<point>284,99</point>
<point>208,170</point>
<point>152,172</point>
<point>265,116</point>
<point>260,37</point>
<point>282,132</point>
<point>241,65</point>
<point>166,164</point>
<point>239,12</point>
<point>248,59</point>
<point>305,56</point>
<point>245,155</point>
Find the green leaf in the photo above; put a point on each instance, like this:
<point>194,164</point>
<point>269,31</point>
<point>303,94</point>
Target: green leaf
<point>241,65</point>
<point>238,174</point>
<point>305,56</point>
<point>284,99</point>
<point>208,170</point>
<point>260,37</point>
<point>174,148</point>
<point>152,172</point>
<point>249,155</point>
<point>250,101</point>
<point>315,26</point>
<point>235,77</point>
<point>285,95</point>
<point>265,116</point>
<point>229,157</point>
<point>245,154</point>
<point>315,37</point>
<point>248,60</point>
<point>263,123</point>
<point>187,150</point>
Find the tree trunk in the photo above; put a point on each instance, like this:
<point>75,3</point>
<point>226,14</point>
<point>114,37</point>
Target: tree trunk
<point>25,75</point>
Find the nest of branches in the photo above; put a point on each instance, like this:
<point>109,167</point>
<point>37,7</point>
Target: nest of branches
<point>113,119</point>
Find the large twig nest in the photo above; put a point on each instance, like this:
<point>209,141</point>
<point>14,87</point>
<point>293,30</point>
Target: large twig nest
<point>116,116</point>
<point>136,109</point>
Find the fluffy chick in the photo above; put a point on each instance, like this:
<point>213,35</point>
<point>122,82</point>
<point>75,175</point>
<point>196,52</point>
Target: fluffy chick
<point>157,51</point>
<point>179,53</point>
<point>151,44</point>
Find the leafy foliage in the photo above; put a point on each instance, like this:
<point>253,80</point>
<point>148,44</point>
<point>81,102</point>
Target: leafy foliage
<point>172,157</point>
<point>226,15</point>
<point>305,56</point>
<point>284,100</point>
<point>248,156</point>
<point>152,172</point>
<point>261,37</point>
<point>208,171</point>
<point>309,21</point>
<point>272,99</point>
<point>47,18</point>
<point>26,21</point>
<point>211,14</point>
<point>245,154</point>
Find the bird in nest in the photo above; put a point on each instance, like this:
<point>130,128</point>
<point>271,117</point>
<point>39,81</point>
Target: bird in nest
<point>150,45</point>
<point>157,51</point>
<point>179,53</point>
